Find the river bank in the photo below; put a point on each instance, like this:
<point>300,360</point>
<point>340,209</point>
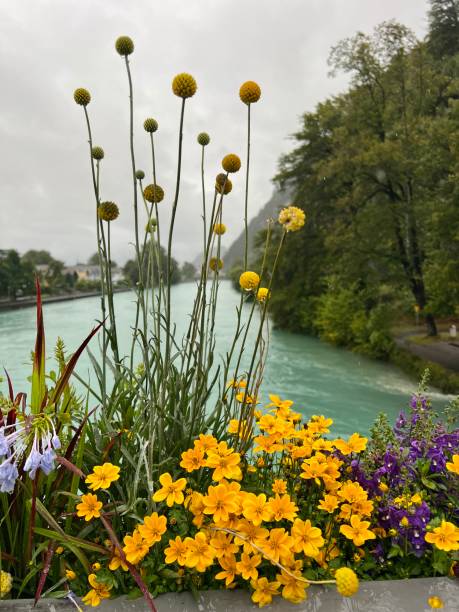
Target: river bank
<point>30,301</point>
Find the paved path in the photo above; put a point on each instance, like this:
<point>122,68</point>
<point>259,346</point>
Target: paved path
<point>444,353</point>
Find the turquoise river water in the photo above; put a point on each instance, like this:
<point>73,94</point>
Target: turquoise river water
<point>321,379</point>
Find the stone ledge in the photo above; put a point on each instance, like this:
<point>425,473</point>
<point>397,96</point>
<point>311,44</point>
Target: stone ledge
<point>378,596</point>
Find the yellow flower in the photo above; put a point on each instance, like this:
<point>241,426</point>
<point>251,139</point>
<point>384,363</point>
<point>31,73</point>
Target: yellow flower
<point>279,486</point>
<point>220,501</point>
<point>247,566</point>
<point>89,507</point>
<point>306,538</point>
<point>278,545</point>
<point>153,193</point>
<point>59,550</point>
<point>249,92</point>
<point>435,602</point>
<point>135,547</point>
<point>352,492</point>
<point>347,582</point>
<point>249,280</point>
<point>124,45</point>
<point>98,592</point>
<point>255,508</point>
<point>153,528</point>
<point>453,466</point>
<point>445,537</point>
<point>329,503</point>
<point>264,591</point>
<point>199,554</point>
<point>282,508</point>
<point>96,567</point>
<point>357,531</point>
<point>292,218</point>
<point>6,583</point>
<point>116,561</point>
<point>171,491</point>
<point>176,551</point>
<point>215,264</point>
<point>225,466</point>
<point>219,229</point>
<point>246,398</point>
<point>108,211</point>
<point>103,476</point>
<point>184,85</point>
<point>355,444</point>
<point>206,442</point>
<point>193,459</point>
<point>319,424</point>
<point>82,96</point>
<point>228,564</point>
<point>223,545</point>
<point>383,487</point>
<point>70,574</point>
<point>223,184</point>
<point>236,426</point>
<point>293,588</point>
<point>231,163</point>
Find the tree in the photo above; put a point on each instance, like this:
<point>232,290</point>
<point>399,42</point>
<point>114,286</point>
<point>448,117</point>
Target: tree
<point>443,38</point>
<point>94,261</point>
<point>187,272</point>
<point>131,269</point>
<point>16,276</point>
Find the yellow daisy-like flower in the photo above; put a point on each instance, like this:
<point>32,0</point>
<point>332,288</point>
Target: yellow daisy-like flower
<point>347,582</point>
<point>184,85</point>
<point>435,602</point>
<point>6,583</point>
<point>103,476</point>
<point>249,280</point>
<point>153,528</point>
<point>224,466</point>
<point>279,487</point>
<point>70,574</point>
<point>263,294</point>
<point>292,218</point>
<point>355,444</point>
<point>357,531</point>
<point>282,507</point>
<point>176,551</point>
<point>116,561</point>
<point>293,587</point>
<point>220,502</point>
<point>89,507</point>
<point>229,567</point>
<point>193,459</point>
<point>278,545</point>
<point>264,591</point>
<point>307,539</point>
<point>135,547</point>
<point>219,229</point>
<point>247,566</point>
<point>199,553</point>
<point>255,508</point>
<point>231,163</point>
<point>223,545</point>
<point>453,465</point>
<point>249,92</point>
<point>329,503</point>
<point>98,592</point>
<point>445,537</point>
<point>171,492</point>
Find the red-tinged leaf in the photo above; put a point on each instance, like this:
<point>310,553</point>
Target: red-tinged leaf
<point>38,371</point>
<point>133,571</point>
<point>69,466</point>
<point>44,571</point>
<point>10,385</point>
<point>64,379</point>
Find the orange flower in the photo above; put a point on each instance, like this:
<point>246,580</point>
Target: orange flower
<point>264,591</point>
<point>225,463</point>
<point>329,503</point>
<point>357,531</point>
<point>282,508</point>
<point>193,459</point>
<point>355,444</point>
<point>445,537</point>
<point>89,507</point>
<point>278,545</point>
<point>99,591</point>
<point>153,528</point>
<point>306,538</point>
<point>199,554</point>
<point>256,509</point>
<point>279,487</point>
<point>247,566</point>
<point>176,551</point>
<point>223,545</point>
<point>220,501</point>
<point>103,476</point>
<point>228,564</point>
<point>135,547</point>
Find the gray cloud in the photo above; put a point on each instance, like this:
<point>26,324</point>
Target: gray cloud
<point>50,47</point>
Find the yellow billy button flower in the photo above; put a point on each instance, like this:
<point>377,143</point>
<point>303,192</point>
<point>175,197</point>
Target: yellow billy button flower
<point>98,592</point>
<point>249,280</point>
<point>355,444</point>
<point>264,591</point>
<point>176,551</point>
<point>219,229</point>
<point>247,566</point>
<point>184,85</point>
<point>215,264</point>
<point>250,92</point>
<point>306,538</point>
<point>357,531</point>
<point>89,507</point>
<point>70,574</point>
<point>193,459</point>
<point>199,554</point>
<point>220,502</point>
<point>453,465</point>
<point>103,476</point>
<point>347,582</point>
<point>153,528</point>
<point>263,294</point>
<point>171,492</point>
<point>292,218</point>
<point>6,583</point>
<point>445,537</point>
<point>435,602</point>
<point>135,547</point>
<point>231,163</point>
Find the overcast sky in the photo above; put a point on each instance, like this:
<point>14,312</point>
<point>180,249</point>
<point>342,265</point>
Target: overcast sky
<point>50,47</point>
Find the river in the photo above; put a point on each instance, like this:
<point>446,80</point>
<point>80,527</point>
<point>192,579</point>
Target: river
<point>319,378</point>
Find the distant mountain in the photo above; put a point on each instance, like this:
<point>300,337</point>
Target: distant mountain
<point>235,251</point>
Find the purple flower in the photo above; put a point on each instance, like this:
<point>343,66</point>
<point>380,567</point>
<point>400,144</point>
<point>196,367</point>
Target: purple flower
<point>8,475</point>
